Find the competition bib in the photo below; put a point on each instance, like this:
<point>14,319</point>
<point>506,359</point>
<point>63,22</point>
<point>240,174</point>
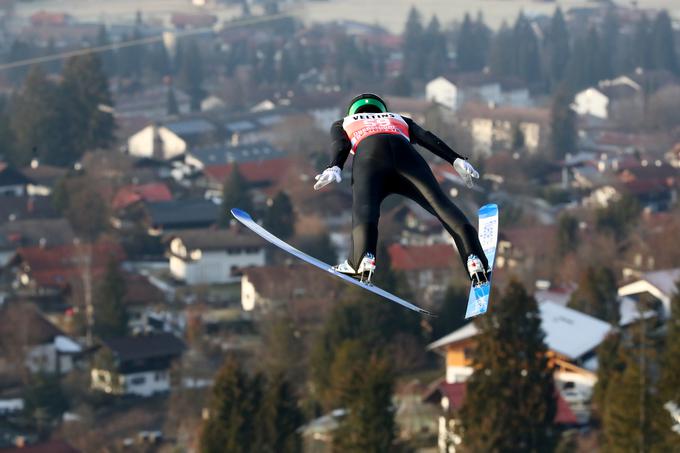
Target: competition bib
<point>362,125</point>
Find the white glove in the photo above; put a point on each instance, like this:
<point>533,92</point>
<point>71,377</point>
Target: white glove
<point>328,176</point>
<point>465,170</point>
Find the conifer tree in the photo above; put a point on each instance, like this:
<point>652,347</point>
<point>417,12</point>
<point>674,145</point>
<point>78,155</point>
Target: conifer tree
<point>86,95</point>
<point>279,218</point>
<point>111,318</point>
<point>35,122</point>
<point>563,126</point>
<point>612,60</point>
<point>234,404</point>
<point>596,294</point>
<point>633,416</point>
<point>452,314</point>
<point>235,194</point>
<point>368,425</point>
<point>567,234</point>
<point>190,77</point>
<point>642,51</point>
<point>663,43</point>
<point>526,52</point>
<point>669,382</point>
<point>510,403</point>
<point>467,56</point>
<point>278,418</point>
<point>108,58</point>
<point>414,54</point>
<point>558,51</point>
<point>501,53</point>
<point>435,44</point>
<point>610,365</point>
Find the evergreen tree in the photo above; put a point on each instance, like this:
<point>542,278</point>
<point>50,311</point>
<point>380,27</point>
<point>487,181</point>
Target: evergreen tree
<point>563,126</point>
<point>435,43</point>
<point>132,59</point>
<point>19,51</point>
<point>510,403</point>
<point>86,95</point>
<point>35,122</point>
<point>8,147</point>
<point>501,53</point>
<point>526,51</point>
<point>108,58</point>
<point>235,194</point>
<point>567,234</point>
<point>171,102</point>
<point>633,416</point>
<point>558,51</point>
<point>44,400</point>
<point>190,76</point>
<point>368,426</point>
<point>669,381</point>
<point>78,199</point>
<point>234,404</point>
<point>161,65</point>
<point>596,294</point>
<point>612,60</point>
<point>663,43</point>
<point>610,365</point>
<point>278,419</point>
<point>280,217</point>
<point>619,217</point>
<point>642,51</point>
<point>320,247</point>
<point>414,54</point>
<point>467,55</point>
<point>111,319</point>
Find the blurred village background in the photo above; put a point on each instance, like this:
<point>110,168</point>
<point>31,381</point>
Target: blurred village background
<point>135,315</point>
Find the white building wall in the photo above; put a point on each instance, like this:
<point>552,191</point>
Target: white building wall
<point>215,266</point>
<point>248,294</point>
<point>482,134</point>
<point>42,358</point>
<point>146,383</point>
<point>591,102</point>
<point>141,144</point>
<point>443,92</point>
<point>457,373</point>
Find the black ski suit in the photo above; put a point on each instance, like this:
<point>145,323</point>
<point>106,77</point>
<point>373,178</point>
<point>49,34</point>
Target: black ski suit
<point>385,162</point>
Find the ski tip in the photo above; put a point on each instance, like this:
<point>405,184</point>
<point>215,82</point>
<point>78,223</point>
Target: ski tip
<point>488,209</point>
<point>240,214</point>
<point>428,313</point>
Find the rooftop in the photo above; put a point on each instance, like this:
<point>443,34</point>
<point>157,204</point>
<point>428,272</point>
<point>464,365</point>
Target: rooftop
<point>222,154</point>
<point>177,213</point>
<point>143,347</point>
<point>216,239</point>
<point>568,332</point>
<point>194,126</point>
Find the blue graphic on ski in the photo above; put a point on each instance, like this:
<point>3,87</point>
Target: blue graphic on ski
<point>478,302</point>
<point>248,221</point>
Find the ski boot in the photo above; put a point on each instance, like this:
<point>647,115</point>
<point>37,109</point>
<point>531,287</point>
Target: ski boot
<point>363,273</point>
<point>478,274</point>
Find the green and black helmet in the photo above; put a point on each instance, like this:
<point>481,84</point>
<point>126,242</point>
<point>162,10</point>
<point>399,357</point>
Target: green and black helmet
<point>367,103</point>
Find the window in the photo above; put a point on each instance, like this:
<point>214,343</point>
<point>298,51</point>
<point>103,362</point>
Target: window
<point>159,376</point>
<point>138,380</point>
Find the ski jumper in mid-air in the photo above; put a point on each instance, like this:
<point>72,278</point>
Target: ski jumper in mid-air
<point>385,162</point>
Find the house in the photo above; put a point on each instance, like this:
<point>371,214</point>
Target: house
<point>136,365</point>
<point>427,268</point>
<point>144,303</point>
<point>44,178</point>
<point>660,285</point>
<point>180,214</point>
<point>451,397</point>
<point>41,271</point>
<point>454,92</point>
<point>207,156</point>
<point>654,184</point>
<point>12,181</point>
<point>302,290</point>
<point>29,338</point>
<point>151,192</point>
<point>572,338</point>
<point>673,156</point>
<point>150,103</point>
<point>32,233</point>
<point>495,127</point>
<point>209,256</point>
<point>413,108</point>
<point>172,139</point>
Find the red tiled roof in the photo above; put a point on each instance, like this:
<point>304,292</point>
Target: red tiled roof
<point>412,257</point>
<point>156,191</point>
<point>45,18</point>
<point>57,266</point>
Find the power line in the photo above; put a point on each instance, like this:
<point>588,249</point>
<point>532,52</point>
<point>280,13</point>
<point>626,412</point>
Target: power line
<point>137,42</point>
